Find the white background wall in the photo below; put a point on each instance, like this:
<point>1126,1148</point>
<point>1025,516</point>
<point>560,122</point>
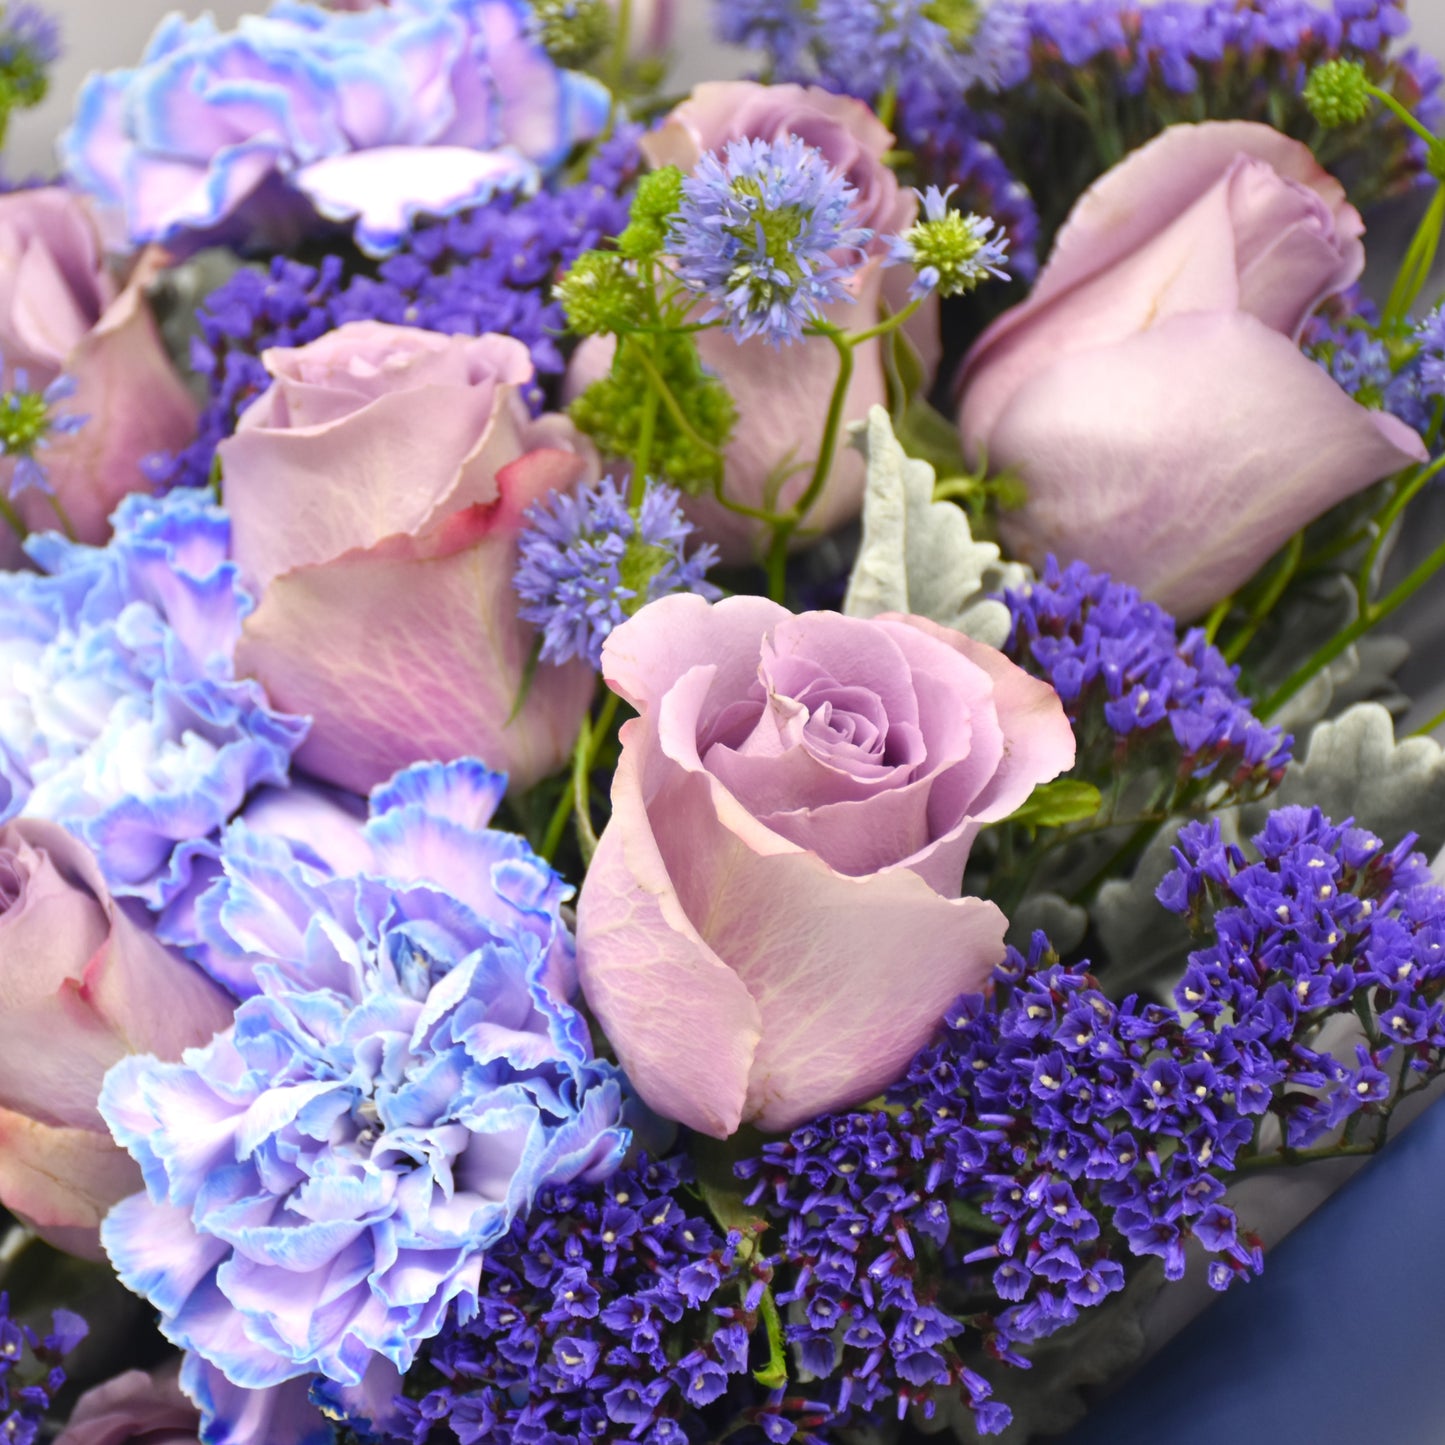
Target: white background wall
<point>107,33</point>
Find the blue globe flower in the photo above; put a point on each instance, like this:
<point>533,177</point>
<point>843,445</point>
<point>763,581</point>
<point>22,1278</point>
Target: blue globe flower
<point>406,1073</point>
<point>121,718</point>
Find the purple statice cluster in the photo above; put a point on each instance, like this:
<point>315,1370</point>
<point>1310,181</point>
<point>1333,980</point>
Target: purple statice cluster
<point>616,1312</point>
<point>1325,921</point>
<point>766,233</point>
<point>490,269</point>
<point>31,1371</point>
<point>870,48</point>
<point>1072,1133</point>
<point>920,57</point>
<point>1134,689</point>
<point>587,563</point>
<point>1406,379</point>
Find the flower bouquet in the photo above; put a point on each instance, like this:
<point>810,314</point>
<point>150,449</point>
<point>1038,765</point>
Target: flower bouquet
<point>714,767</point>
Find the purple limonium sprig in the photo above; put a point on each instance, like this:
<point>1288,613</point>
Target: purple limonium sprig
<point>588,563</point>
<point>29,422</point>
<point>31,1371</point>
<point>1323,920</point>
<point>951,252</point>
<point>1111,654</point>
<point>766,233</point>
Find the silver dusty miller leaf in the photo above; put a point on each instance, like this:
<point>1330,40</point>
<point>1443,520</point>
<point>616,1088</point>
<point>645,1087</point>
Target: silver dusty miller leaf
<point>1355,768</point>
<point>919,555</point>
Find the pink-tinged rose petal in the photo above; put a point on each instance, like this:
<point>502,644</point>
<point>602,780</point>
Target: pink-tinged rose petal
<point>685,1027</point>
<point>76,973</point>
<point>62,1181</point>
<point>134,1408</point>
<point>384,190</point>
<point>1182,516</point>
<point>760,948</point>
<point>1229,223</point>
<point>377,491</point>
<point>414,667</point>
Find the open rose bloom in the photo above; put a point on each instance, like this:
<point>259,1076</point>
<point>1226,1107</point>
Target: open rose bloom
<point>772,924</point>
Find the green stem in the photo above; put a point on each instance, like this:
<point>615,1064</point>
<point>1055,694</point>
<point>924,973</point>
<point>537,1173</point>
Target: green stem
<point>778,552</point>
<point>670,401</point>
<point>1288,567</point>
<point>1399,594</point>
<point>889,323</point>
<point>1418,260</point>
<point>1411,482</point>
<point>574,799</point>
<point>773,1375</point>
<point>646,432</point>
<point>1215,620</point>
<point>58,507</point>
<point>1386,99</point>
<point>12,518</point>
<point>1425,729</point>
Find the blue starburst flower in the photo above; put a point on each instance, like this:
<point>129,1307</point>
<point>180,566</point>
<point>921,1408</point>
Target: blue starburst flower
<point>121,717</point>
<point>405,1075</point>
<point>952,253</point>
<point>28,422</point>
<point>587,564</point>
<point>1430,358</point>
<point>766,234</point>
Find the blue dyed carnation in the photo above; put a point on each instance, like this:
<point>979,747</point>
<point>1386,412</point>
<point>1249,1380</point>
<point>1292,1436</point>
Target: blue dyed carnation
<point>404,1075</point>
<point>766,234</point>
<point>121,717</point>
<point>586,564</point>
<point>377,116</point>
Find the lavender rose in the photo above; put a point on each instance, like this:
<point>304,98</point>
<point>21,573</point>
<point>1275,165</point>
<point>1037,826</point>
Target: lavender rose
<point>61,311</point>
<point>134,1409</point>
<point>76,973</point>
<point>376,493</point>
<point>772,926</point>
<point>1151,391</point>
<point>782,394</point>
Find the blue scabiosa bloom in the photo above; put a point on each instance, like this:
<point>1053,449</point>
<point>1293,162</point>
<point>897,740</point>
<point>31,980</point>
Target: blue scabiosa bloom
<point>403,1077</point>
<point>952,253</point>
<point>766,234</point>
<point>587,564</point>
<point>122,718</point>
<point>28,420</point>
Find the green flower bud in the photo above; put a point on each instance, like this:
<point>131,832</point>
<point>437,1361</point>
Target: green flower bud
<point>600,295</point>
<point>610,412</point>
<point>1337,93</point>
<point>573,32</point>
<point>659,194</point>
